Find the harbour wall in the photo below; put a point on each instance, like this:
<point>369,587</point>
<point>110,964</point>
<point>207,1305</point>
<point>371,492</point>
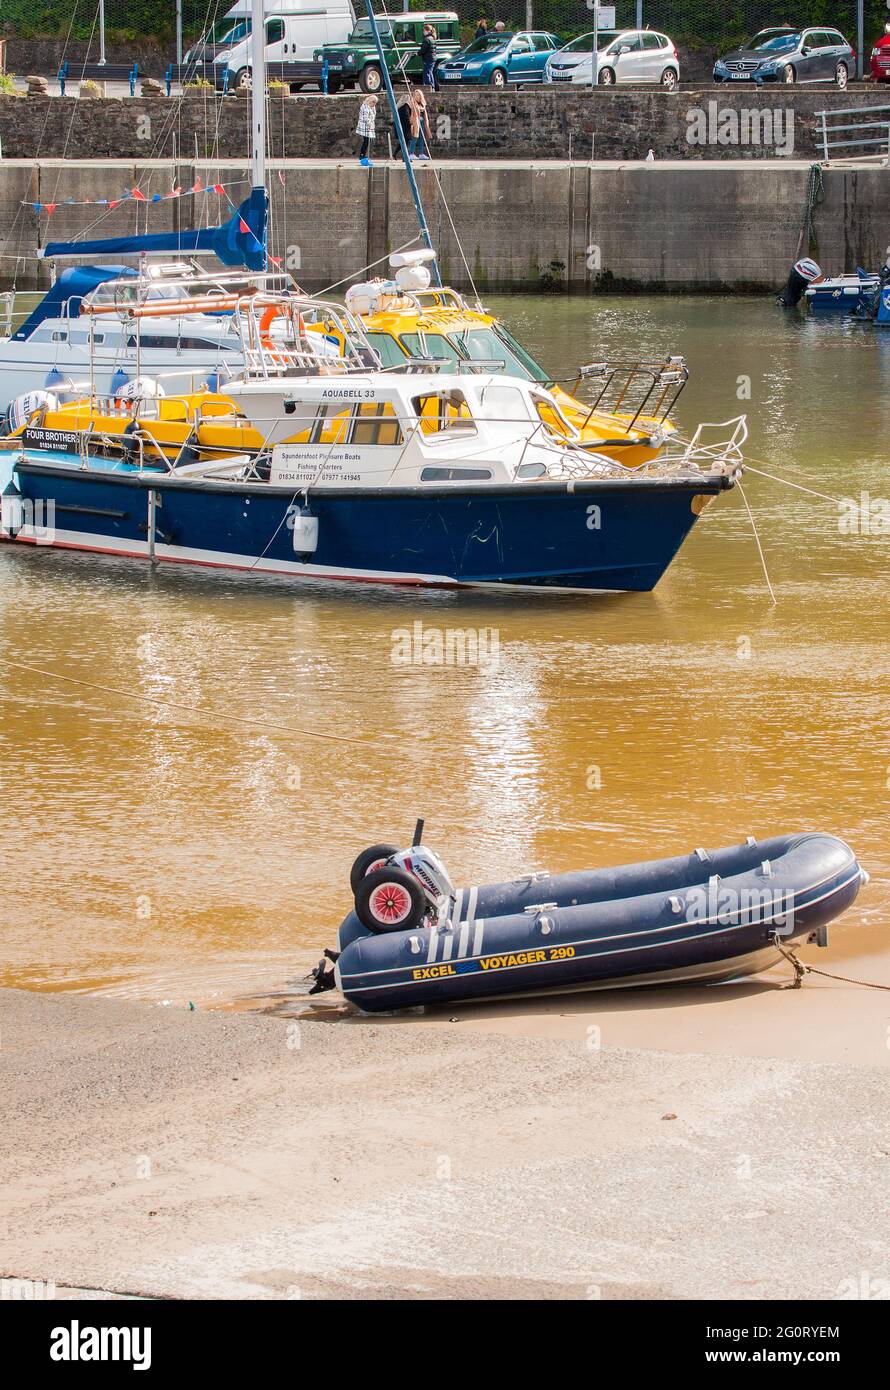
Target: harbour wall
<point>545,122</point>
<point>525,226</point>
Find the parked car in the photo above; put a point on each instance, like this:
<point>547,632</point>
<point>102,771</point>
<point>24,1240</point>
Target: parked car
<point>627,55</point>
<point>500,60</point>
<point>357,60</point>
<point>789,55</point>
<point>880,57</point>
<point>293,32</point>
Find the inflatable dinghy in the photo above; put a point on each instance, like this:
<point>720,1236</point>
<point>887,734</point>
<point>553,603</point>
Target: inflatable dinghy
<point>709,915</point>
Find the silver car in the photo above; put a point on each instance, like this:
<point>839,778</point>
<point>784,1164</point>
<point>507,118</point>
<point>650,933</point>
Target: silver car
<point>627,55</point>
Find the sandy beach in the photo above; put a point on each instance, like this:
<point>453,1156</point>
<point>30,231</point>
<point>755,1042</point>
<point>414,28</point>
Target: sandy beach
<point>202,1154</point>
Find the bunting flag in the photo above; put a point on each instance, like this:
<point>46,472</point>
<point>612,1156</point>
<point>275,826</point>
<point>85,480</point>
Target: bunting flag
<point>136,195</point>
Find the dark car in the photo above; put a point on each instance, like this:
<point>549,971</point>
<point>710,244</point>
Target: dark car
<point>789,55</point>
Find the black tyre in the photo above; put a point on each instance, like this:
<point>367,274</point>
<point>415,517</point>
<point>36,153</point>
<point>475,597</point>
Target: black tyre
<point>607,78</point>
<point>371,79</point>
<point>841,76</point>
<point>390,900</point>
<point>373,858</point>
<point>669,80</point>
<point>498,78</point>
<point>789,76</point>
<point>242,80</point>
<point>334,85</point>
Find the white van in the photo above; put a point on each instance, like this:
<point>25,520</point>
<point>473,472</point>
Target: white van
<point>294,30</point>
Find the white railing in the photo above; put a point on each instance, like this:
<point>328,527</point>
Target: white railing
<point>872,138</point>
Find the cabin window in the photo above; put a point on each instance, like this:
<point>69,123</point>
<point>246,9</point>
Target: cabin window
<point>274,30</point>
<point>387,349</point>
<point>375,422</point>
<point>553,419</point>
<point>60,337</point>
<point>432,345</point>
<point>443,413</point>
<point>455,475</point>
<point>327,428</point>
<point>506,403</point>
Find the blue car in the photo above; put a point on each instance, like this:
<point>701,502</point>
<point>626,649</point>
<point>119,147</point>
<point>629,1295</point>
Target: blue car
<point>499,60</point>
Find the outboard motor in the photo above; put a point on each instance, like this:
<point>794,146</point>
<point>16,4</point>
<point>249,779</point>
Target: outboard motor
<point>804,272</point>
<point>23,407</point>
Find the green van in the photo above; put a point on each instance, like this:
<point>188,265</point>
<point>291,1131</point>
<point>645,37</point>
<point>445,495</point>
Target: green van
<point>401,36</point>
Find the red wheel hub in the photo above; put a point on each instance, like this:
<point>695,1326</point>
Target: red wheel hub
<point>390,903</point>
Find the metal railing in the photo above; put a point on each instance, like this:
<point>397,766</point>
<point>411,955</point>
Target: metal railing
<point>874,144</point>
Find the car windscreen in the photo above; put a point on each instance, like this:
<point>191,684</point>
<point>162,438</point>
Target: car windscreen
<point>489,43</point>
<point>771,43</point>
<point>584,44</point>
<point>363,31</point>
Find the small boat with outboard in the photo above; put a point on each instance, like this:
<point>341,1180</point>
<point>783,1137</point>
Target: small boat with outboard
<point>413,938</point>
<point>859,294</point>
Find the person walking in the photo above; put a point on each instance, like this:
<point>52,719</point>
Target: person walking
<point>428,56</point>
<point>367,116</point>
<point>420,125</point>
<point>405,108</point>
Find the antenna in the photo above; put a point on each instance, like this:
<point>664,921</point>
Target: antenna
<point>418,833</point>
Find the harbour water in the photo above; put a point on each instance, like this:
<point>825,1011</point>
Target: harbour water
<point>190,761</point>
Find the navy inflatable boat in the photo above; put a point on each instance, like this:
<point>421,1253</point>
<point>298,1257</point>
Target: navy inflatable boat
<point>708,915</point>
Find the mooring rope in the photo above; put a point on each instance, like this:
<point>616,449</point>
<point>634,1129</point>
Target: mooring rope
<point>772,592</point>
<point>800,970</point>
<point>815,195</point>
<point>202,710</point>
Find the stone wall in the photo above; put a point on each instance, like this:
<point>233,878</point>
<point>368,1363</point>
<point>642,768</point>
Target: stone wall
<point>523,226</point>
<point>532,123</point>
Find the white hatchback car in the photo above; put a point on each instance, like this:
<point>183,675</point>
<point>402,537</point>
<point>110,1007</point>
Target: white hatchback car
<point>629,55</point>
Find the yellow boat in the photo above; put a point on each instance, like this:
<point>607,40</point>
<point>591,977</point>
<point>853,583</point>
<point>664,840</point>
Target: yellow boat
<point>628,417</point>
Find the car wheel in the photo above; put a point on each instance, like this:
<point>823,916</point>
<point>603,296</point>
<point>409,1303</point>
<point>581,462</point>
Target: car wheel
<point>334,85</point>
<point>370,79</point>
<point>242,80</point>
<point>669,80</point>
<point>789,75</point>
<point>498,78</point>
<point>607,78</point>
<point>841,75</point>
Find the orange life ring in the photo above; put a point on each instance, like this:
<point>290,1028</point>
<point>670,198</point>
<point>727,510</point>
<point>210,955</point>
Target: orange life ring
<point>273,311</point>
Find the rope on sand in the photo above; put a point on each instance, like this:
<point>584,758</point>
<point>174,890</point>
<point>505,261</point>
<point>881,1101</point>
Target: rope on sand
<point>800,970</point>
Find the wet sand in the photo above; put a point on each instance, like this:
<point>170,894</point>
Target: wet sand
<point>200,1154</point>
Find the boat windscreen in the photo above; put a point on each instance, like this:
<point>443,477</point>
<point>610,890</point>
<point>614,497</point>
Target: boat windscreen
<point>497,345</point>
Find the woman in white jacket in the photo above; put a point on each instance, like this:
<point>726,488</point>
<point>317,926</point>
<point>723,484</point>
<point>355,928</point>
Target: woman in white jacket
<point>367,115</point>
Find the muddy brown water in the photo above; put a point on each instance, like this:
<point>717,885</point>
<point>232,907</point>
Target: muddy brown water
<point>170,854</point>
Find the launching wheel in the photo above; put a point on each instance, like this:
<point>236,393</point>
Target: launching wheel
<point>390,900</point>
<point>373,858</point>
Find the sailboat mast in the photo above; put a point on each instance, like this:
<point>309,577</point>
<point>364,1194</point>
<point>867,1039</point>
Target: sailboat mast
<point>412,182</point>
<point>258,94</point>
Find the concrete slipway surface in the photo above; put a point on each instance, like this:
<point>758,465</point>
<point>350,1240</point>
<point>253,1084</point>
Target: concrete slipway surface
<point>206,1154</point>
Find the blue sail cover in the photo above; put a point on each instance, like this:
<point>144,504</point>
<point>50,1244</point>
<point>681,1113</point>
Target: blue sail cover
<point>68,293</point>
<point>242,241</point>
